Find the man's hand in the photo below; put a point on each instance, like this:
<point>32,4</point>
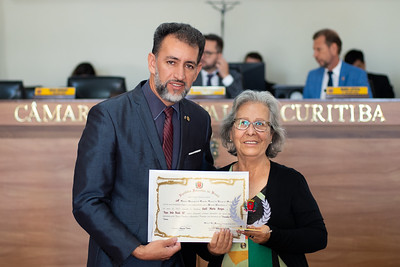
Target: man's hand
<point>222,66</point>
<point>221,242</point>
<point>157,250</point>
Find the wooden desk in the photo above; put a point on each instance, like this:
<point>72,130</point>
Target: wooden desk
<point>349,153</point>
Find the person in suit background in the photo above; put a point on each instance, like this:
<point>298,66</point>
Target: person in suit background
<point>215,70</point>
<point>124,138</point>
<point>84,69</point>
<point>332,71</point>
<point>255,57</point>
<point>380,85</point>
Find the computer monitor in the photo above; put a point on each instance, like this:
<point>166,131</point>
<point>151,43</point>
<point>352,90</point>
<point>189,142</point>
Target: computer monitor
<point>97,86</point>
<point>253,75</point>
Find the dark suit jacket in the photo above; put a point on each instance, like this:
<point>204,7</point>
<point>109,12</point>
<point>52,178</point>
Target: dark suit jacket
<point>380,86</point>
<point>349,76</point>
<point>110,193</point>
<point>232,90</point>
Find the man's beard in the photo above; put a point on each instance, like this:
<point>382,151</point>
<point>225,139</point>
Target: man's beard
<point>162,89</point>
<point>208,67</point>
<point>323,64</point>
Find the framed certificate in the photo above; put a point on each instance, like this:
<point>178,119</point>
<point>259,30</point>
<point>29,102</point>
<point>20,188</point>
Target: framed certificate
<point>192,205</point>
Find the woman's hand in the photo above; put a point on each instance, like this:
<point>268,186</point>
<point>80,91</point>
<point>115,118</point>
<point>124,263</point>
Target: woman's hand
<point>259,235</point>
<point>221,242</point>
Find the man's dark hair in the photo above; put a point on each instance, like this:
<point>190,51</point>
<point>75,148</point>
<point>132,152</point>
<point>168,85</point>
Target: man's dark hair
<point>330,37</point>
<point>183,32</point>
<point>255,55</point>
<point>220,42</point>
<point>84,69</point>
<point>354,55</point>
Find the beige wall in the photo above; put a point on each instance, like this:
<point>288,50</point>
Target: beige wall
<point>43,40</point>
<point>2,43</point>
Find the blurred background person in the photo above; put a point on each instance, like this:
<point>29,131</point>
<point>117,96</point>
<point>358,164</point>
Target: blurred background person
<point>215,70</point>
<point>332,71</point>
<point>84,69</point>
<point>380,85</point>
<point>255,57</point>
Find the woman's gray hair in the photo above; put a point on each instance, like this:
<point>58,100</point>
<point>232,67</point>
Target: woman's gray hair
<point>265,98</point>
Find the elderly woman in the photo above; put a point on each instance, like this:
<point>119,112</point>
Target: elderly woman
<point>282,213</point>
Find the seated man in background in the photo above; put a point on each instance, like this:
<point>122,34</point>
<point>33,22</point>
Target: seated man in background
<point>332,71</point>
<point>380,85</point>
<point>255,57</point>
<point>215,71</point>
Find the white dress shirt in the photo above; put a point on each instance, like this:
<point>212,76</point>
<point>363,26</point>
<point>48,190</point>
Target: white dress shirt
<point>228,80</point>
<point>335,79</point>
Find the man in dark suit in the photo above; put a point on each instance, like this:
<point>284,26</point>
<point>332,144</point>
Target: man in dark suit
<point>380,85</point>
<point>332,71</point>
<point>123,140</point>
<point>215,71</point>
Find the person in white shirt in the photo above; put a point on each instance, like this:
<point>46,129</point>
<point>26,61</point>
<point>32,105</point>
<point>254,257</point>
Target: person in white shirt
<point>332,71</point>
<point>215,70</point>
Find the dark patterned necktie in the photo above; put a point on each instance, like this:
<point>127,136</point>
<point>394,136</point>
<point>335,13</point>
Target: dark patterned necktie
<point>168,136</point>
<point>209,79</point>
<point>330,82</point>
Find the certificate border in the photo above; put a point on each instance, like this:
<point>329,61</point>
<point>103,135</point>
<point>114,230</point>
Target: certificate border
<point>184,181</point>
<point>161,178</point>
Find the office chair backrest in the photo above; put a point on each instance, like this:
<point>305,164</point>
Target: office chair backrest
<point>30,91</point>
<point>97,86</point>
<point>11,90</point>
<point>288,91</point>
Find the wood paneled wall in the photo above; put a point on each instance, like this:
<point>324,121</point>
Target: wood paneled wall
<point>353,170</point>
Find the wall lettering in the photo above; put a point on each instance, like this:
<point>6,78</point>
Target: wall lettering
<point>331,113</point>
<point>43,113</point>
<point>36,112</point>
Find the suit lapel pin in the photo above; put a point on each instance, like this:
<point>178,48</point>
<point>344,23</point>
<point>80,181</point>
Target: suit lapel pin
<point>186,118</point>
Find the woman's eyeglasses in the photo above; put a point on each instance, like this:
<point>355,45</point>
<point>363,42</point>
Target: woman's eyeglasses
<point>259,126</point>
